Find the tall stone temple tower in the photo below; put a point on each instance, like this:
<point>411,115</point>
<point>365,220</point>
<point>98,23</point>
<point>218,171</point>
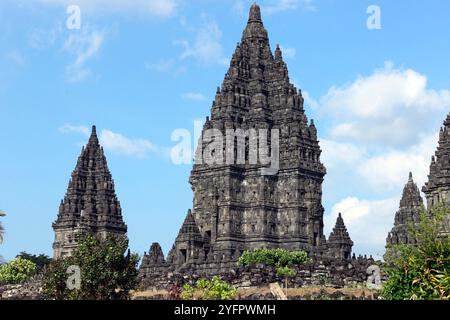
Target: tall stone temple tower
<point>235,206</point>
<point>407,215</point>
<point>90,203</point>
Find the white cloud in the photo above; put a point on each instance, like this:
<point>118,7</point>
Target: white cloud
<point>157,8</point>
<point>206,48</point>
<point>68,128</point>
<point>391,107</point>
<point>335,154</point>
<point>163,65</point>
<point>84,45</point>
<point>41,39</point>
<point>239,8</point>
<point>382,171</point>
<point>309,100</point>
<point>275,6</point>
<point>382,127</point>
<point>167,66</point>
<point>120,144</point>
<point>389,170</point>
<point>368,222</point>
<point>288,53</point>
<point>16,57</point>
<point>194,96</point>
<point>381,94</point>
<point>387,125</point>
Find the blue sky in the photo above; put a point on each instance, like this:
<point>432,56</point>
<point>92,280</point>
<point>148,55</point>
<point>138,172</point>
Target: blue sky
<point>141,69</point>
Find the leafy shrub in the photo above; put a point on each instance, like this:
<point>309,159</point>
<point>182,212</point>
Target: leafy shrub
<point>204,289</point>
<point>274,257</point>
<point>55,280</point>
<point>41,260</point>
<point>17,271</point>
<point>286,272</point>
<point>421,271</point>
<point>107,270</point>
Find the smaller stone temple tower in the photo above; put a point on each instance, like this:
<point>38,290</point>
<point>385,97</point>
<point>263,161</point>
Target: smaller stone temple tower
<point>155,255</point>
<point>339,243</point>
<point>90,203</point>
<point>409,213</point>
<point>189,243</point>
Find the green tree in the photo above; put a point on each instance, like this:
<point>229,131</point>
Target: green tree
<point>107,270</point>
<point>17,271</point>
<point>286,273</point>
<point>41,260</point>
<point>2,230</point>
<point>421,271</point>
<point>55,280</point>
<point>204,289</point>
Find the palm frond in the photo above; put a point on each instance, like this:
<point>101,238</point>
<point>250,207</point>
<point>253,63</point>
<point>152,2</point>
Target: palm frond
<point>1,233</point>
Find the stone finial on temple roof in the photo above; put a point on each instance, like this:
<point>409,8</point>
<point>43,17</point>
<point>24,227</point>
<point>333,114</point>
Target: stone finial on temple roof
<point>447,121</point>
<point>93,139</point>
<point>255,13</point>
<point>255,30</point>
<point>278,53</point>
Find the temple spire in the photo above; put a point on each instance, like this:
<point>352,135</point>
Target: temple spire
<point>447,121</point>
<point>278,53</point>
<point>255,28</point>
<point>93,139</point>
<point>255,14</point>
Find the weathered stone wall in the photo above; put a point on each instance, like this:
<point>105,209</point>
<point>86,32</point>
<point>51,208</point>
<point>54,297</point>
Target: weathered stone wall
<point>330,273</point>
<point>31,290</point>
